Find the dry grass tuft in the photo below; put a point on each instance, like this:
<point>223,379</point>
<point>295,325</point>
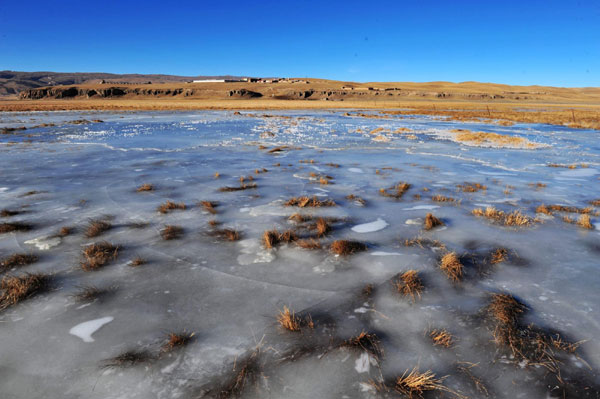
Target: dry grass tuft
<point>452,266</point>
<point>98,254</point>
<point>409,284</point>
<point>8,213</point>
<point>515,218</point>
<point>128,359</point>
<point>432,222</point>
<point>298,218</point>
<point>549,209</point>
<point>17,260</point>
<point>423,242</point>
<point>413,383</point>
<point>396,191</point>
<point>97,227</point>
<point>357,200</point>
<point>583,221</point>
<point>314,202</point>
<point>137,261</point>
<point>13,227</point>
<point>65,231</point>
<point>272,238</point>
<point>499,255</point>
<point>365,341</point>
<point>176,340</point>
<point>442,198</point>
<point>471,187</point>
<point>145,187</point>
<point>309,244</point>
<point>171,232</point>
<point>18,288</point>
<point>595,202</point>
<point>491,139</point>
<point>441,338</point>
<point>88,293</point>
<point>347,247</point>
<point>209,206</point>
<point>288,320</point>
<point>241,187</point>
<point>227,234</point>
<point>322,227</point>
<point>170,206</point>
<point>506,309</point>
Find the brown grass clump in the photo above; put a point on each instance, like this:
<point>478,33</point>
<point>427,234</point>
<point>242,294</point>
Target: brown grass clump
<point>563,208</point>
<point>128,359</point>
<point>583,221</point>
<point>298,218</point>
<point>491,139</point>
<point>499,255</point>
<point>97,227</point>
<point>357,200</point>
<point>288,320</point>
<point>18,288</point>
<point>452,266</point>
<point>17,260</point>
<point>145,187</point>
<point>13,227</point>
<point>8,213</point>
<point>368,342</point>
<point>515,218</point>
<point>227,234</point>
<point>409,284</point>
<point>309,244</point>
<point>441,338</point>
<point>176,340</point>
<point>543,209</point>
<point>442,198</point>
<point>272,238</point>
<point>413,383</point>
<point>137,261</point>
<point>471,187</point>
<point>88,293</point>
<point>170,206</point>
<point>314,202</point>
<point>423,242</point>
<point>241,187</point>
<point>347,247</point>
<point>595,202</point>
<point>322,227</point>
<point>65,231</point>
<point>171,232</point>
<point>209,206</point>
<point>432,222</point>
<point>506,309</point>
<point>98,254</point>
<point>396,191</point>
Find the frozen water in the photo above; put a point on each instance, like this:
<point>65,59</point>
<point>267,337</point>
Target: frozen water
<point>229,293</point>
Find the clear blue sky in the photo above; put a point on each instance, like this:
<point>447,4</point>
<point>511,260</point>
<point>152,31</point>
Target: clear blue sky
<point>526,42</point>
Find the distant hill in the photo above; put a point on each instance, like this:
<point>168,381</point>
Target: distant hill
<point>13,82</point>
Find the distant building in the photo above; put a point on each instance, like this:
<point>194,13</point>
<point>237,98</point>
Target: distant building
<point>209,81</point>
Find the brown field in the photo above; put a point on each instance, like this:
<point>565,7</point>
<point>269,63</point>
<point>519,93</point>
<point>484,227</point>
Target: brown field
<point>503,104</point>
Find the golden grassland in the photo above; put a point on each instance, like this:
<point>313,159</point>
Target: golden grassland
<point>467,101</point>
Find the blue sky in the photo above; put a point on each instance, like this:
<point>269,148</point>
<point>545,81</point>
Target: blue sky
<point>543,42</point>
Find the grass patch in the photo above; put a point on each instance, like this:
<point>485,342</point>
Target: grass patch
<point>5,213</point>
<point>14,227</point>
<point>227,234</point>
<point>171,206</point>
<point>65,231</point>
<point>515,218</point>
<point>98,254</point>
<point>176,341</point>
<point>396,191</point>
<point>128,359</point>
<point>432,222</point>
<point>583,221</point>
<point>409,284</point>
<point>471,187</point>
<point>16,289</point>
<point>137,261</point>
<point>17,260</point>
<point>88,293</point>
<point>171,232</point>
<point>272,238</point>
<point>304,202</point>
<point>452,266</point>
<point>209,206</point>
<point>356,199</point>
<point>145,187</point>
<point>309,244</point>
<point>347,247</point>
<point>368,342</point>
<point>441,338</point>
<point>241,187</point>
<point>288,320</point>
<point>97,227</point>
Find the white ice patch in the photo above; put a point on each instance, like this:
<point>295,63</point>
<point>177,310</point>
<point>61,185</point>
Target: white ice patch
<point>355,170</point>
<point>414,208</point>
<point>86,329</point>
<point>370,227</point>
<point>44,243</point>
<point>362,364</point>
<point>416,221</point>
<point>252,252</point>
<point>382,253</point>
<point>583,172</point>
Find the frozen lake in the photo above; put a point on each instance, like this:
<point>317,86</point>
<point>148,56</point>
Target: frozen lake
<point>228,293</point>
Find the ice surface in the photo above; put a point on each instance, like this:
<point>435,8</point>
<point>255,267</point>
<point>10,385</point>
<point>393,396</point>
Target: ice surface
<point>229,293</point>
<point>87,328</point>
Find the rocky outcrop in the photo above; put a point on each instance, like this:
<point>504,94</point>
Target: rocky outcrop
<point>243,93</point>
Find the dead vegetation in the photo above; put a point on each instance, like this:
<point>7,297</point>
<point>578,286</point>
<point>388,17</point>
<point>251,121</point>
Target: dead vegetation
<point>515,218</point>
<point>209,206</point>
<point>98,254</point>
<point>5,213</point>
<point>499,255</point>
<point>88,293</point>
<point>441,337</point>
<point>550,209</point>
<point>241,187</point>
<point>409,284</point>
<point>14,227</point>
<point>246,370</point>
<point>452,266</point>
<point>17,260</point>
<point>310,243</point>
<point>304,202</point>
<point>396,191</point>
<point>65,231</point>
<point>145,187</point>
<point>171,206</point>
<point>422,242</point>
<point>96,227</point>
<point>171,232</point>
<point>471,187</point>
<point>15,289</point>
<point>137,261</point>
<point>432,222</point>
<point>414,384</point>
<point>176,341</point>
<point>356,199</point>
<point>347,247</point>
<point>128,359</point>
<point>485,139</point>
<point>442,198</point>
<point>227,234</point>
<point>288,320</point>
<point>583,221</point>
<point>272,238</point>
<point>322,227</point>
<point>368,342</point>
